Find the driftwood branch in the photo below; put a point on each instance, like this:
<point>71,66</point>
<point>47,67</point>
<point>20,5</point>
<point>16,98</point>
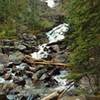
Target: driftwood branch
<point>32,61</point>
<point>53,96</point>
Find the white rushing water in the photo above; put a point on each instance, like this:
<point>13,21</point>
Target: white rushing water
<point>41,53</point>
<point>62,81</point>
<point>51,3</point>
<point>56,34</point>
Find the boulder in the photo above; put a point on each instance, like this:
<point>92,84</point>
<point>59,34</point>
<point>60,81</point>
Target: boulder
<point>22,66</point>
<point>7,76</point>
<point>2,80</point>
<point>20,81</point>
<point>33,97</point>
<point>21,47</point>
<point>38,74</point>
<point>11,97</point>
<point>4,59</point>
<point>28,37</point>
<point>16,57</point>
<point>8,42</point>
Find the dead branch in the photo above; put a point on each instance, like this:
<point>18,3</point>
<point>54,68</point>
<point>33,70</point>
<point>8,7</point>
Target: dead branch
<point>32,61</point>
<point>51,96</point>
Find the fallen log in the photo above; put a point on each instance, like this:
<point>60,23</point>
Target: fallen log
<point>32,61</point>
<point>52,96</point>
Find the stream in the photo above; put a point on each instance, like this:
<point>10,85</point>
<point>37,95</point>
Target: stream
<point>33,82</point>
<point>20,80</point>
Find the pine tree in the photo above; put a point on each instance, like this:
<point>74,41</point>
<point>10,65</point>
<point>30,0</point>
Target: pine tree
<point>84,18</point>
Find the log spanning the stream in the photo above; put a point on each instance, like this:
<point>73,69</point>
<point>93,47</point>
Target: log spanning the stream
<point>32,61</point>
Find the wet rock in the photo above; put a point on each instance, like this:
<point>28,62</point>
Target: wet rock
<point>7,49</point>
<point>72,92</point>
<point>29,74</point>
<point>22,66</point>
<point>55,71</point>
<point>42,38</point>
<point>33,97</point>
<point>44,76</point>
<point>18,73</point>
<point>7,86</point>
<point>1,69</point>
<point>4,59</point>
<point>2,80</point>
<point>54,48</point>
<point>38,67</point>
<point>50,83</point>
<point>11,97</point>
<point>10,65</point>
<point>16,57</point>
<point>23,98</point>
<point>3,96</point>
<point>0,50</point>
<point>28,37</point>
<point>14,92</point>
<point>30,49</point>
<point>20,82</point>
<point>27,51</point>
<point>7,76</point>
<point>21,47</point>
<point>38,74</point>
<point>8,42</point>
<point>62,57</point>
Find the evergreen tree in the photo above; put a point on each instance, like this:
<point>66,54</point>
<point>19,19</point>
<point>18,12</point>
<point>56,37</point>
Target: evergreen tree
<point>84,18</point>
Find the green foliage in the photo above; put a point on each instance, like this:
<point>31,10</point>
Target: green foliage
<point>84,18</point>
<point>73,76</point>
<point>46,24</point>
<point>14,14</point>
<point>10,12</point>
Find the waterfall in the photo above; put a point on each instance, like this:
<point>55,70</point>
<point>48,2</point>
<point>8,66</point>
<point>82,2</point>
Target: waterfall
<point>56,34</point>
<point>51,3</point>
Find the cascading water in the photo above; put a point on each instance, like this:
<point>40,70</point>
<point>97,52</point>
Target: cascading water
<point>55,35</point>
<point>51,3</point>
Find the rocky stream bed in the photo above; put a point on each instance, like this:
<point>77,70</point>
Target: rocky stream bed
<point>24,77</point>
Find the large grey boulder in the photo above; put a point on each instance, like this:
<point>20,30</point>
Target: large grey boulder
<point>4,59</point>
<point>38,74</point>
<point>16,57</point>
